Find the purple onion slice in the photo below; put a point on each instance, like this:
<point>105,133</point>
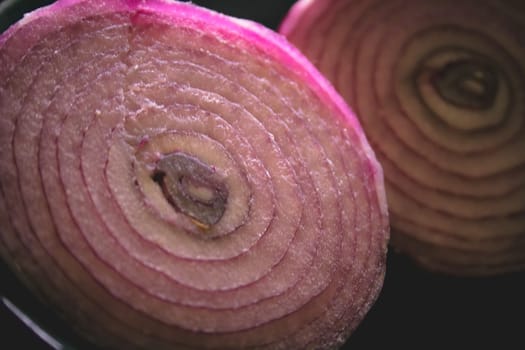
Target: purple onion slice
<point>174,178</point>
<point>439,87</point>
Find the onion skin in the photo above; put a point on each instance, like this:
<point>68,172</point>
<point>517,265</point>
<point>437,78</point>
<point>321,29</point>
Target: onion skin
<point>439,87</point>
<point>172,178</point>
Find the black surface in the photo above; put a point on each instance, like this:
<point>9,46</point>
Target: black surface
<point>416,309</point>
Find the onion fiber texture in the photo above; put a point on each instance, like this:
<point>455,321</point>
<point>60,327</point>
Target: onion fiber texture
<point>439,88</point>
<point>172,178</point>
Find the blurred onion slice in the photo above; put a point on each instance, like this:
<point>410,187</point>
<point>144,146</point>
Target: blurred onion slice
<point>439,87</point>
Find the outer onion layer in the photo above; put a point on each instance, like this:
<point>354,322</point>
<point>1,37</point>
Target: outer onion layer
<point>174,178</point>
<point>439,87</point>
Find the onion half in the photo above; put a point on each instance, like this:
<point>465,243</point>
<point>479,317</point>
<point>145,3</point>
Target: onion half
<point>439,87</point>
<point>174,178</point>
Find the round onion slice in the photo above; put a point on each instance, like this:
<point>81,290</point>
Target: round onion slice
<point>174,178</point>
<point>439,87</point>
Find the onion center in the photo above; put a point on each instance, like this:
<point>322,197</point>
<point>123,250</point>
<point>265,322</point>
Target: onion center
<point>192,187</point>
<point>467,84</point>
<point>463,88</point>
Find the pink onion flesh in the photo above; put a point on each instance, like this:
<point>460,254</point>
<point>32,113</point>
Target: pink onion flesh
<point>172,177</point>
<point>439,88</point>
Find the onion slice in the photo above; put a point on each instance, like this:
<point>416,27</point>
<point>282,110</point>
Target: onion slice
<point>439,87</point>
<point>174,178</point>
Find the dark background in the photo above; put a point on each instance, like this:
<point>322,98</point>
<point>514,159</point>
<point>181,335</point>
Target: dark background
<point>415,310</point>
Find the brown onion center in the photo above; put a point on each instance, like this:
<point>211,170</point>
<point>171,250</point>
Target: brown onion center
<point>192,187</point>
<point>467,84</point>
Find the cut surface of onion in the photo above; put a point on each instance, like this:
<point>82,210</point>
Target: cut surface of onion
<point>439,88</point>
<point>171,177</point>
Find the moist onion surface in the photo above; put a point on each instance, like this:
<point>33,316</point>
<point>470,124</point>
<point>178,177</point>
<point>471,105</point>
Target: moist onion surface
<point>439,88</point>
<point>172,177</point>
